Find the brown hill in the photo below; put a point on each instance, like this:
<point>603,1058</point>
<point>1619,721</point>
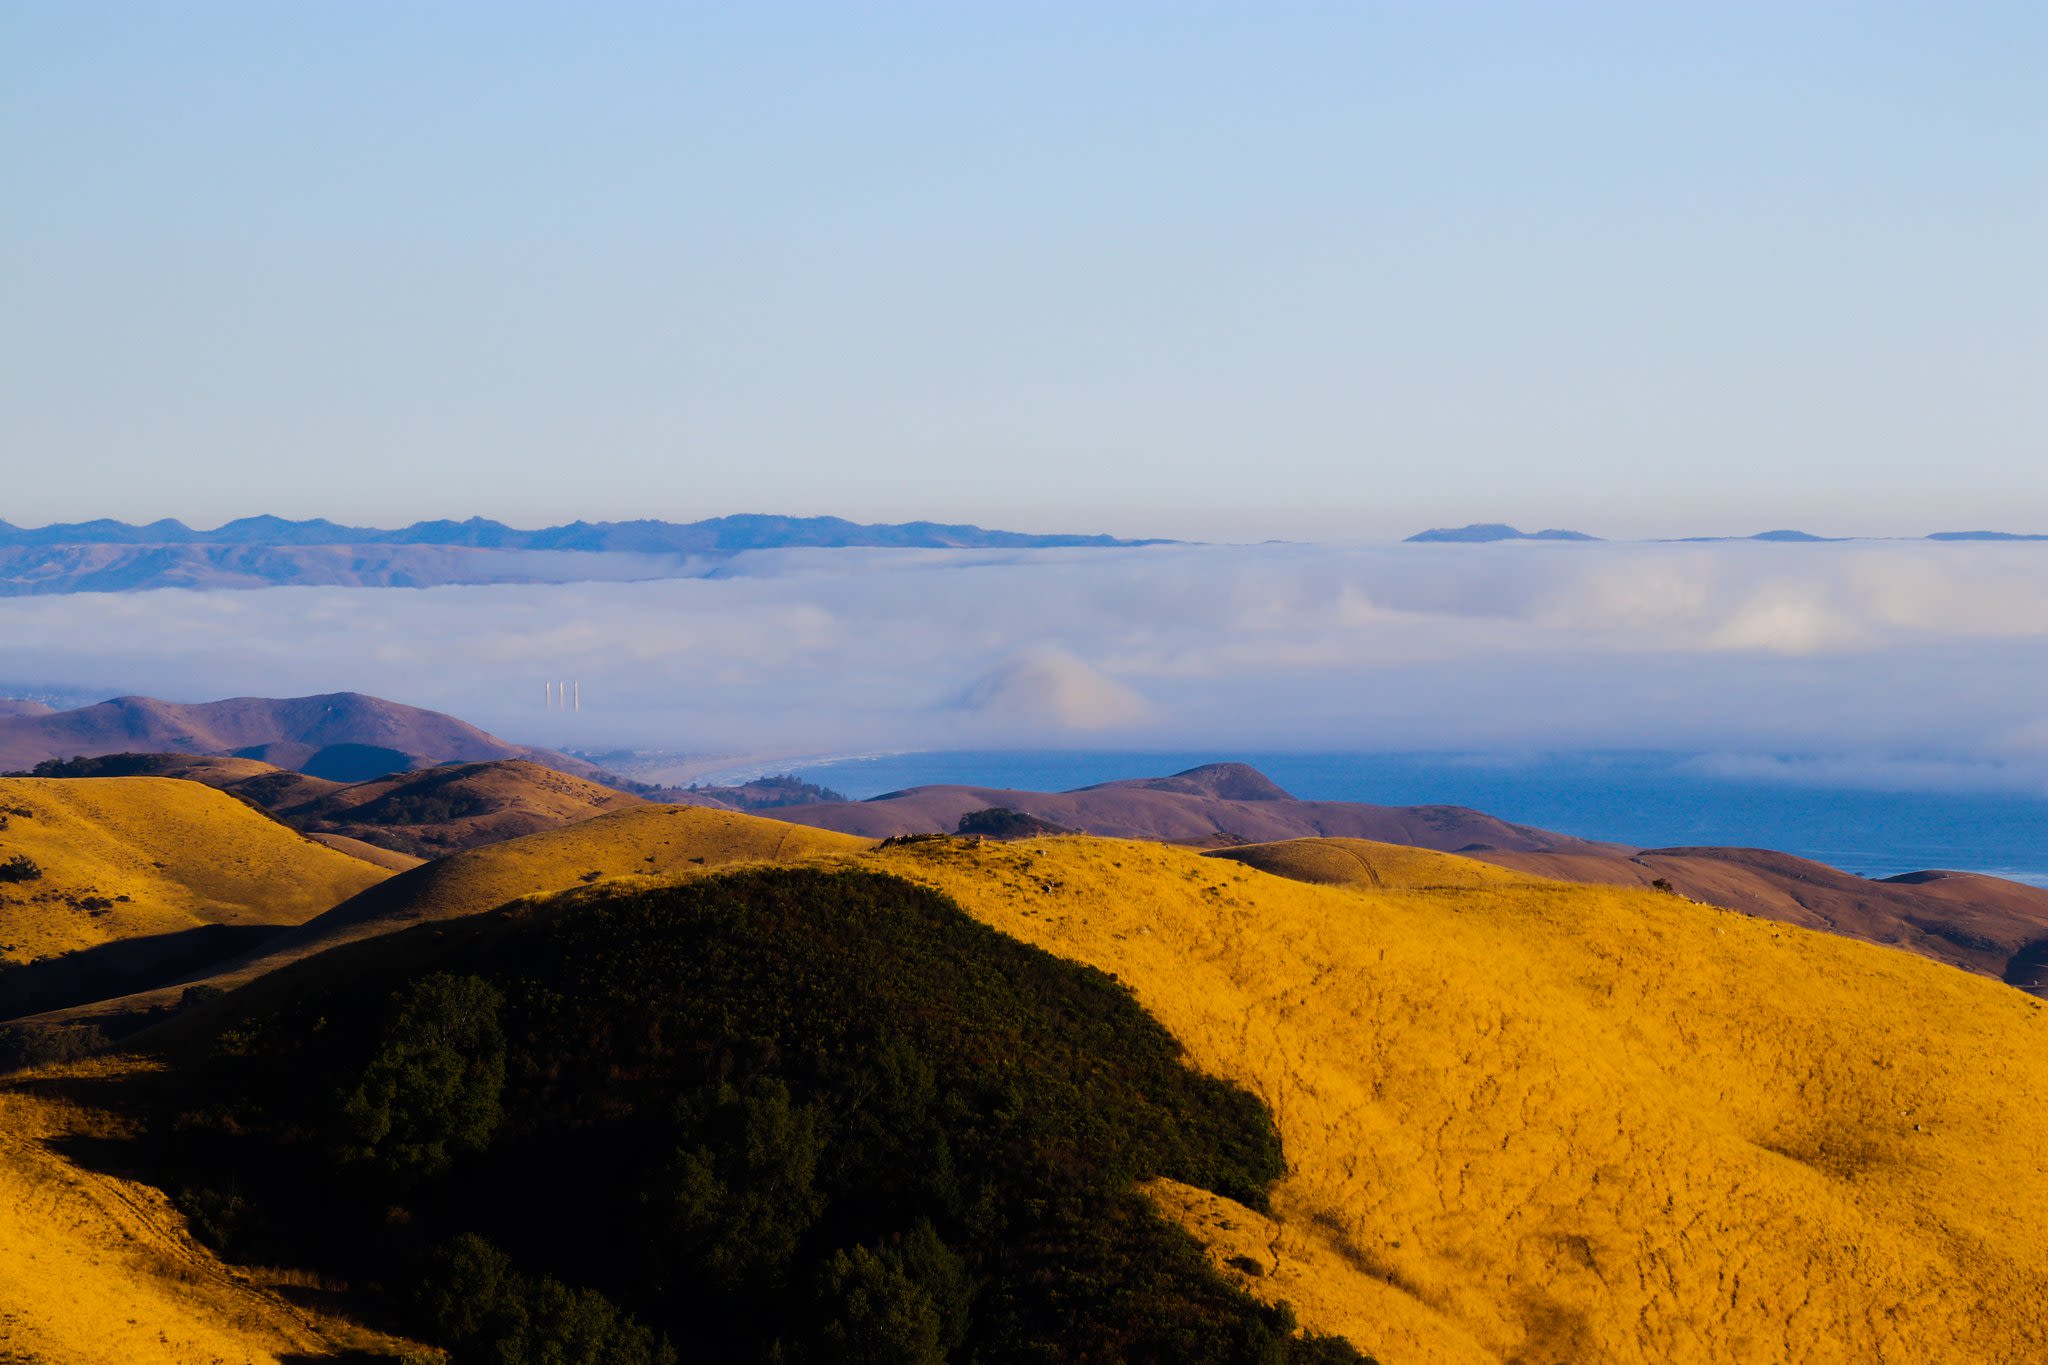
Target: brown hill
<point>1217,805</point>
<point>1997,928</point>
<point>455,807</point>
<point>345,736</point>
<point>21,706</point>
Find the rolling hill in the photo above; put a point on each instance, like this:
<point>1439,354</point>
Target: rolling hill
<point>1521,1119</point>
<point>419,814</point>
<point>121,883</point>
<point>341,736</point>
<point>1217,804</point>
<point>453,807</point>
<point>1538,1121</point>
<point>1983,924</point>
<point>638,842</point>
<point>127,858</point>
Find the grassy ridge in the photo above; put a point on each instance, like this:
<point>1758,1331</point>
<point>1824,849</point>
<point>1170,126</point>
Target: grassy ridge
<point>1521,1119</point>
<point>1551,1122</point>
<point>785,1115</point>
<point>125,857</point>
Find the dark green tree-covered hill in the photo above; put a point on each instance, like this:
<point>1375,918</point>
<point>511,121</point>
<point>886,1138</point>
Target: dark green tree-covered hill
<point>777,1115</point>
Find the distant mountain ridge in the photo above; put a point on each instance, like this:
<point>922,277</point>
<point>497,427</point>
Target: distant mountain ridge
<point>1487,532</point>
<point>259,552</point>
<point>714,535</point>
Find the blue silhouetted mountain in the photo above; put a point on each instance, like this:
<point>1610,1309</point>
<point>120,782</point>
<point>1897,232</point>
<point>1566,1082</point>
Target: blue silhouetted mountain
<point>259,552</point>
<point>1480,533</point>
<point>717,535</point>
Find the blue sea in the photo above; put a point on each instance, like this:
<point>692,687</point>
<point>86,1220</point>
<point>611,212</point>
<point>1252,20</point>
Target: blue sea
<point>1649,799</point>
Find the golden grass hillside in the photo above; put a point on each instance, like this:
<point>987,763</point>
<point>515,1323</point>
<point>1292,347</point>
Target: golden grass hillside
<point>1366,863</point>
<point>132,856</point>
<point>1525,1121</point>
<point>640,841</point>
<point>96,1269</point>
<point>1533,1122</point>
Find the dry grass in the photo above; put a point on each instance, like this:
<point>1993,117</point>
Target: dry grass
<point>1366,863</point>
<point>97,1269</point>
<point>1525,1121</point>
<point>128,856</point>
<point>1534,1122</point>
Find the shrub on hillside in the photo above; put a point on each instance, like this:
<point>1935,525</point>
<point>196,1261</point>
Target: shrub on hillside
<point>24,1045</point>
<point>20,868</point>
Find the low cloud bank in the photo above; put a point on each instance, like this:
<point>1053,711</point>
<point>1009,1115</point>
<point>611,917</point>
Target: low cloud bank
<point>1898,660</point>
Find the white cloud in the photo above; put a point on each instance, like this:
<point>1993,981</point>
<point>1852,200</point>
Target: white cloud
<point>1047,687</point>
<point>1934,651</point>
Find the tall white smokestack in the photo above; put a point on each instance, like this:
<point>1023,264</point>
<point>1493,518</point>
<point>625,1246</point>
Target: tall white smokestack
<point>551,695</point>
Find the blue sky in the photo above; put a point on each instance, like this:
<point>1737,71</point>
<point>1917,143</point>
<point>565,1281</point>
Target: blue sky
<point>1312,271</point>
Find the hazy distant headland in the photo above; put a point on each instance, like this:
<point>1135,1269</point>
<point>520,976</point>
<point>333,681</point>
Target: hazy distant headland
<point>257,552</point>
<point>264,552</point>
<point>1491,532</point>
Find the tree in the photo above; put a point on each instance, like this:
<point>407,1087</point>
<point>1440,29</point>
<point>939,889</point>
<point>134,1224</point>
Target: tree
<point>432,1089</point>
<point>875,1314</point>
<point>743,1195</point>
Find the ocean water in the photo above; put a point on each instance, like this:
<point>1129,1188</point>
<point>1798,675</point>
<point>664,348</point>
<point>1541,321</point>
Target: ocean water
<point>1649,799</point>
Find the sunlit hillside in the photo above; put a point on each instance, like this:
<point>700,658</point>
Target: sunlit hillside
<point>97,1268</point>
<point>641,841</point>
<point>1522,1120</point>
<point>117,858</point>
<point>1539,1122</point>
<point>1367,864</point>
